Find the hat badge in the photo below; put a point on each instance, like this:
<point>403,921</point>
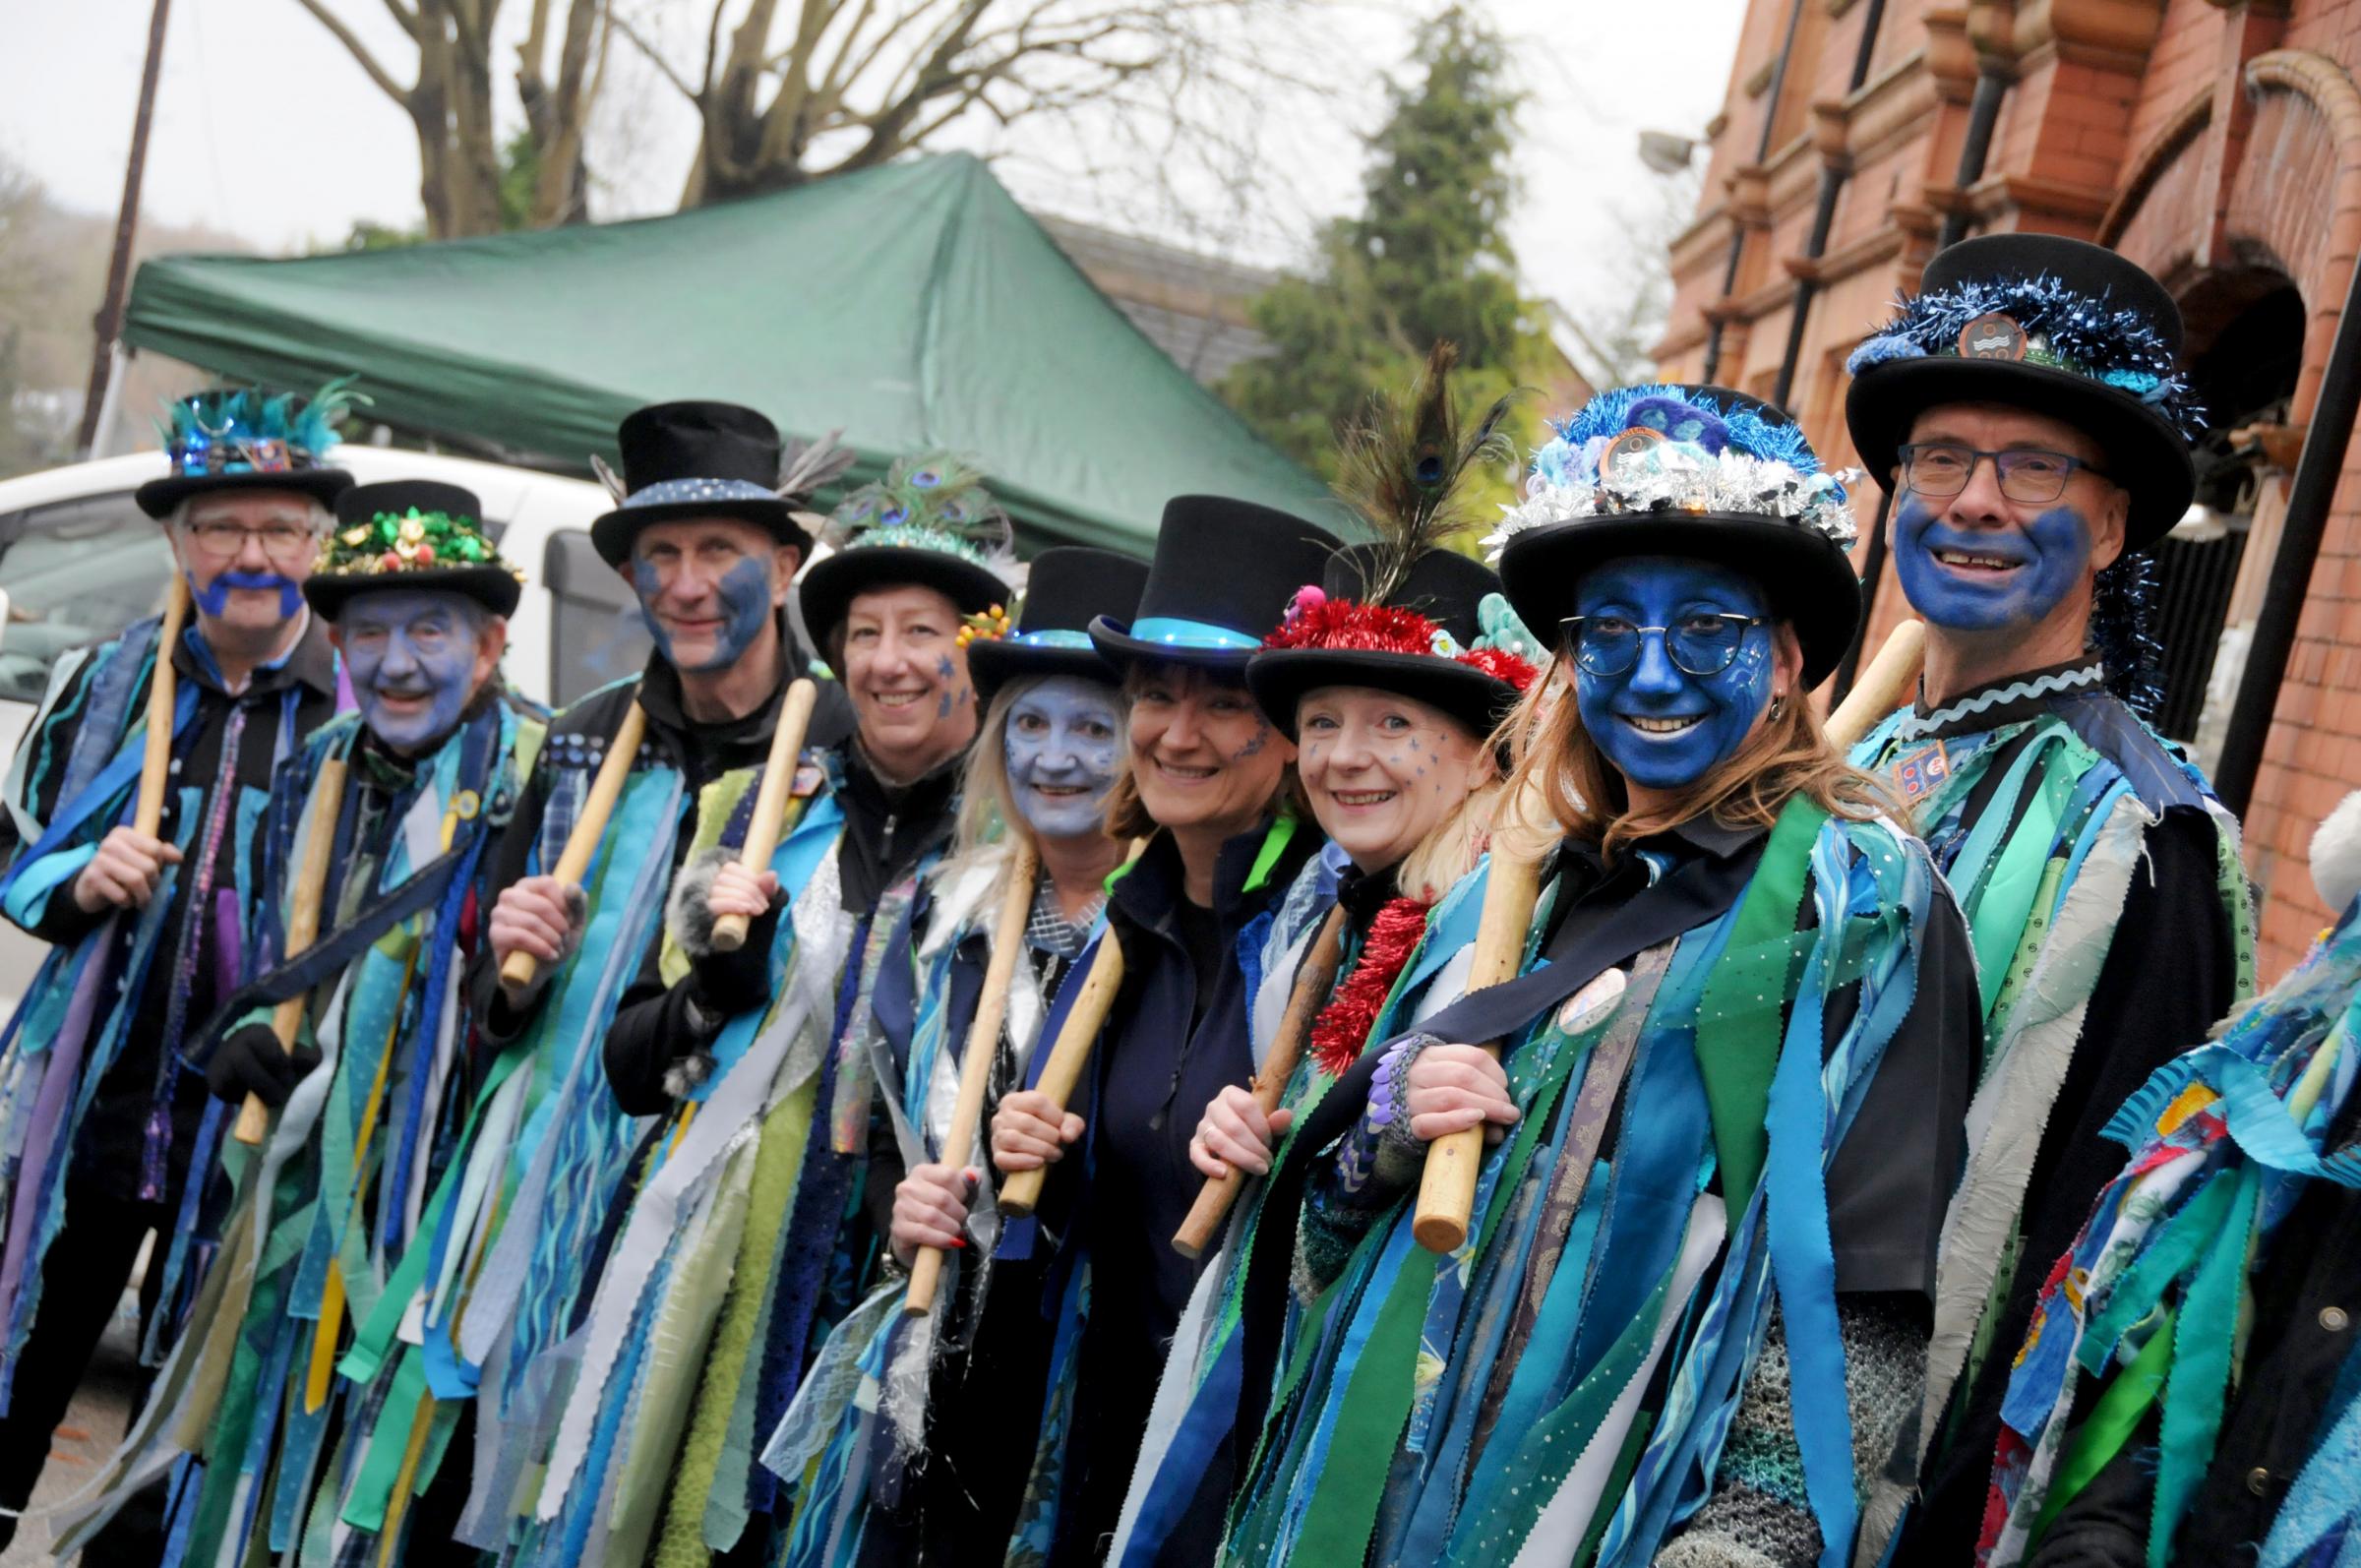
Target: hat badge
<point>1994,335</point>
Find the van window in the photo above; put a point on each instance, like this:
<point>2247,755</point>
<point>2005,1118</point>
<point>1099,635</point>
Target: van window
<point>77,573</point>
<point>595,632</point>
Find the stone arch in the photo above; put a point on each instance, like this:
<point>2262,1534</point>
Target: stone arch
<point>2164,179</point>
<point>2304,139</point>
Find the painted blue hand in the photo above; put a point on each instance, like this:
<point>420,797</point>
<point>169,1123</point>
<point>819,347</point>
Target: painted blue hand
<point>1060,747</point>
<point>1993,579</point>
<point>214,597</point>
<point>412,656</point>
<point>1661,726</point>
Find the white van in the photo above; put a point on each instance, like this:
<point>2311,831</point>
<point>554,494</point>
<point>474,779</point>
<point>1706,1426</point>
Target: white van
<point>79,561</point>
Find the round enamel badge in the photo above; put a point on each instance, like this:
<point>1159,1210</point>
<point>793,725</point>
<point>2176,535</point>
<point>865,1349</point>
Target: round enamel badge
<point>1992,336</point>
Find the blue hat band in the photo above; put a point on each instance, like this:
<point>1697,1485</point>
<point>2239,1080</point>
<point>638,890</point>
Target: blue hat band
<point>1051,639</point>
<point>1177,632</point>
<point>670,491</point>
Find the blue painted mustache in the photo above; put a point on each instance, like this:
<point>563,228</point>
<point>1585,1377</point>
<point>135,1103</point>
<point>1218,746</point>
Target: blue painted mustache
<point>215,599</point>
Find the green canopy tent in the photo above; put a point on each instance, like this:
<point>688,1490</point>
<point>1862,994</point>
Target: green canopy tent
<point>915,306</point>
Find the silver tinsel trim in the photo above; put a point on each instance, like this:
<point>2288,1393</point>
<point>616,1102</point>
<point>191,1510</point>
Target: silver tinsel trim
<point>1677,477</point>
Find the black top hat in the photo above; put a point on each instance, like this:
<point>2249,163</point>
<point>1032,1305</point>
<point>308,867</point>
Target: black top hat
<point>413,534</point>
<point>1065,589</point>
<point>1222,574</point>
<point>2052,326</point>
<point>1701,472</point>
<point>696,459</point>
<point>239,437</point>
<point>1422,643</point>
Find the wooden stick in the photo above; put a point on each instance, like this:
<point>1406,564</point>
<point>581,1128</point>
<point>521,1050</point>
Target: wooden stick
<point>155,761</point>
<point>1020,1194</point>
<point>303,927</point>
<point>770,802</point>
<point>574,861</point>
<point>983,1046</point>
<point>1313,981</point>
<point>1447,1190</point>
<point>1881,688</point>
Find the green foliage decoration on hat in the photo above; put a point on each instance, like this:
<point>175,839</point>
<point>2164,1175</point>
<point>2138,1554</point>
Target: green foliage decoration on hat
<point>396,542</point>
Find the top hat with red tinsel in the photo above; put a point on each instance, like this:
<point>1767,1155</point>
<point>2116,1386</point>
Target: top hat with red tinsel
<point>1444,637</point>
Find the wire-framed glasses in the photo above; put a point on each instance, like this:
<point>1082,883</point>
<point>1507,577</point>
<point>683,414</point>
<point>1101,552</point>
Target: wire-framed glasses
<point>1699,645</point>
<point>1943,468</point>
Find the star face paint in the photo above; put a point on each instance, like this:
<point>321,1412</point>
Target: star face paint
<point>1060,745</point>
<point>412,656</point>
<point>1988,579</point>
<point>1660,726</point>
<point>1381,770</point>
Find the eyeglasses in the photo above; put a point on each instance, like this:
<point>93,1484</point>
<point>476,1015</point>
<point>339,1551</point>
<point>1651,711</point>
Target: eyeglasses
<point>1942,468</point>
<point>288,543</point>
<point>1699,645</point>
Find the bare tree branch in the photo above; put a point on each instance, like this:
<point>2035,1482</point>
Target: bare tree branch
<point>357,49</point>
<point>652,55</point>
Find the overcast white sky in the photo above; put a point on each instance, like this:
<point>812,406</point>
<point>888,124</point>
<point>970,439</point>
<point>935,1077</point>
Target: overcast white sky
<point>267,129</point>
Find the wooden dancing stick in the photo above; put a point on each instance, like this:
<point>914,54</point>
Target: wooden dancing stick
<point>770,802</point>
<point>1020,1194</point>
<point>983,1046</point>
<point>303,927</point>
<point>1447,1190</point>
<point>1313,981</point>
<point>155,761</point>
<point>574,861</point>
<point>1881,688</point>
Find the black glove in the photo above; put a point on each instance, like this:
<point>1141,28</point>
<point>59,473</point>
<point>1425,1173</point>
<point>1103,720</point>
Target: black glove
<point>251,1062</point>
<point>729,984</point>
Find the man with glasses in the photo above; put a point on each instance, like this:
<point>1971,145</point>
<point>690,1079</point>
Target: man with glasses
<point>104,1116</point>
<point>2029,417</point>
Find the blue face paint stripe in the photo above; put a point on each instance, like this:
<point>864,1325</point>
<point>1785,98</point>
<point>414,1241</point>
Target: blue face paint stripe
<point>214,597</point>
<point>2050,556</point>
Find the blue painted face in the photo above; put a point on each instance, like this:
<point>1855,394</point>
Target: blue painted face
<point>702,623</point>
<point>1660,725</point>
<point>1988,580</point>
<point>412,657</point>
<point>1060,745</point>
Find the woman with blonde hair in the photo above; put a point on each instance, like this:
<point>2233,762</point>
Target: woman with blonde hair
<point>925,1471</point>
<point>1726,1118</point>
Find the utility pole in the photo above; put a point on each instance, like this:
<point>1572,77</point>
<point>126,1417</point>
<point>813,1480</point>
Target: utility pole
<point>109,321</point>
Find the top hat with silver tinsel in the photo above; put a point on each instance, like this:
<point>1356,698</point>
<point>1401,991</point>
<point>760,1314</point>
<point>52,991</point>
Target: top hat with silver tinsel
<point>1700,472</point>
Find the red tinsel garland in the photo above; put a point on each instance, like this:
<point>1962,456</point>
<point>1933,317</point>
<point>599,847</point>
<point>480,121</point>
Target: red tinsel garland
<point>1502,664</point>
<point>1348,626</point>
<point>1344,1025</point>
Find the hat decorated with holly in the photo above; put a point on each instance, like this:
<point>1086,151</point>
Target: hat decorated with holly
<point>929,524</point>
<point>2053,325</point>
<point>1700,472</point>
<point>412,534</point>
<point>1065,589</point>
<point>709,459</point>
<point>241,437</point>
<point>1404,613</point>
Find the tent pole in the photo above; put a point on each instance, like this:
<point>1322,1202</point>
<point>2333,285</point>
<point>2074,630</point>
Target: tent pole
<point>109,321</point>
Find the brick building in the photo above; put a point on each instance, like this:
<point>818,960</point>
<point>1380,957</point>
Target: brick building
<point>2215,143</point>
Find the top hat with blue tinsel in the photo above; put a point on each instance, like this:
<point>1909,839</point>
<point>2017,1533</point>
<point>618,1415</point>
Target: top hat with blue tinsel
<point>1222,576</point>
<point>1065,590</point>
<point>707,459</point>
<point>929,524</point>
<point>415,534</point>
<point>239,437</point>
<point>2053,325</point>
<point>1700,472</point>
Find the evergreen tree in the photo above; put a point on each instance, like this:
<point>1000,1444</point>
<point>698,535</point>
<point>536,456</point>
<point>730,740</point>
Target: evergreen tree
<point>1426,260</point>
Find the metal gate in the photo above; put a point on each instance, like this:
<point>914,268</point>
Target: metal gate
<point>2195,577</point>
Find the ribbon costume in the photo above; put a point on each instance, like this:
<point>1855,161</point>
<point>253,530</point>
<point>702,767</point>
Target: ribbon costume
<point>2188,1391</point>
<point>2061,821</point>
<point>1696,1273</point>
<point>303,1418</point>
<point>104,1116</point>
<point>752,1226</point>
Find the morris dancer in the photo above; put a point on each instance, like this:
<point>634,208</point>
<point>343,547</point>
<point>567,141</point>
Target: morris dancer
<point>1212,781</point>
<point>915,1459</point>
<point>758,1218</point>
<point>1727,1117</point>
<point>323,1256</point>
<point>2026,410</point>
<point>104,1117</point>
